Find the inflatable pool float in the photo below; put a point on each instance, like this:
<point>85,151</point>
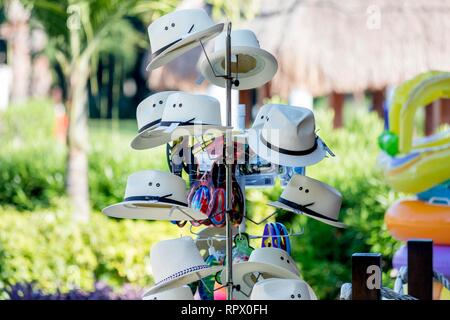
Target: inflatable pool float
<point>418,171</point>
<point>408,98</point>
<point>440,192</point>
<point>407,219</point>
<point>415,165</point>
<point>441,259</point>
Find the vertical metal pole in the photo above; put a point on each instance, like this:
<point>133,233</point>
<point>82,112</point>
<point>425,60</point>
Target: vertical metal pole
<point>228,168</point>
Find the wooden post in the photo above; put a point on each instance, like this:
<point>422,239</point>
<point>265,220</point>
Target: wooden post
<point>377,102</point>
<point>247,97</point>
<point>445,111</point>
<point>431,118</point>
<point>366,276</point>
<point>337,103</point>
<point>420,269</point>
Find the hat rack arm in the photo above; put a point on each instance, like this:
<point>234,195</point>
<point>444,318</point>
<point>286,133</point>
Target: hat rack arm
<point>252,237</point>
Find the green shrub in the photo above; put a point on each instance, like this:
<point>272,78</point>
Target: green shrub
<point>50,249</point>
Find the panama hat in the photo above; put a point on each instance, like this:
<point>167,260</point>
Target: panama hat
<point>175,263</point>
<point>251,65</point>
<point>154,195</point>
<point>282,289</point>
<point>288,138</point>
<point>311,197</point>
<point>149,114</point>
<point>180,293</point>
<point>187,114</point>
<point>263,263</point>
<point>178,32</point>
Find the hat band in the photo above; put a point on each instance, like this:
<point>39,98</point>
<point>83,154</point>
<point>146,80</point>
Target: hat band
<point>155,198</point>
<point>182,273</point>
<point>305,209</point>
<point>149,125</point>
<point>289,152</point>
<point>189,122</point>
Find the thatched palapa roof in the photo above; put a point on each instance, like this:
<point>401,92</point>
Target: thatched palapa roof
<point>347,46</point>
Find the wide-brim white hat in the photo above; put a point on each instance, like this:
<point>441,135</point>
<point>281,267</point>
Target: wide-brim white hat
<point>180,293</point>
<point>177,262</point>
<point>197,26</point>
<point>287,158</point>
<point>254,65</point>
<point>154,195</point>
<point>186,114</point>
<point>149,116</point>
<point>313,198</point>
<point>282,289</point>
<point>288,137</point>
<point>263,263</point>
<point>153,210</point>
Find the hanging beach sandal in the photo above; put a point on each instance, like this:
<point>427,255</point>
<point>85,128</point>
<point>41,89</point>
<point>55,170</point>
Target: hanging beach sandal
<point>216,211</point>
<point>200,197</point>
<point>237,210</point>
<point>270,236</point>
<point>276,235</point>
<point>237,197</point>
<point>284,241</point>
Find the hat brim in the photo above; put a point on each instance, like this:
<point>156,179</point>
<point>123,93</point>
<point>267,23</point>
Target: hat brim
<point>183,280</point>
<point>255,79</point>
<point>242,272</point>
<point>187,43</point>
<point>150,138</point>
<point>161,135</point>
<point>152,210</point>
<point>311,292</point>
<point>276,157</point>
<point>280,205</point>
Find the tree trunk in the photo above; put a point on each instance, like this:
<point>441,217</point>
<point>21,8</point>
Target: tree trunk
<point>18,18</point>
<point>77,161</point>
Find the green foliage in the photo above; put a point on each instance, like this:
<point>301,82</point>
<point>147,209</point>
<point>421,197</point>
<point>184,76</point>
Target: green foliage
<point>50,249</point>
<point>32,162</point>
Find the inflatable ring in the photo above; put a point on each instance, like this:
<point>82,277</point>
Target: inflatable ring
<point>408,97</point>
<point>441,259</point>
<point>407,219</point>
<point>419,170</point>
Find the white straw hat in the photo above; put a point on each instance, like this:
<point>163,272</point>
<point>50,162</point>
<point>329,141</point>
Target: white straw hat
<point>187,114</point>
<point>154,195</point>
<point>178,32</point>
<point>263,263</point>
<point>251,65</point>
<point>313,198</point>
<point>149,114</point>
<point>288,138</point>
<point>175,263</point>
<point>282,289</point>
<point>180,293</point>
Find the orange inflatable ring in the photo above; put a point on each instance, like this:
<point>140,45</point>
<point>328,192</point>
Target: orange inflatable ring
<point>407,219</point>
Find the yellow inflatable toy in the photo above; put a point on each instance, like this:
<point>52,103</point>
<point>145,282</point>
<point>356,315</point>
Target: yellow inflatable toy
<point>415,165</point>
<point>419,170</point>
<point>408,219</point>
